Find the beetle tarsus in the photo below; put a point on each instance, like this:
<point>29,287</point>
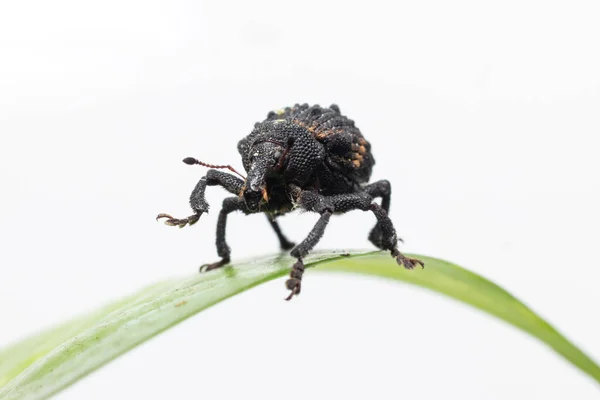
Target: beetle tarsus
<point>191,220</point>
<point>409,263</point>
<point>295,282</point>
<point>215,265</point>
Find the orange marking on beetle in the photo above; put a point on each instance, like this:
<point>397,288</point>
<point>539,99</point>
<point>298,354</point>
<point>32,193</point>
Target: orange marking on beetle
<point>311,128</point>
<point>356,163</point>
<point>328,132</point>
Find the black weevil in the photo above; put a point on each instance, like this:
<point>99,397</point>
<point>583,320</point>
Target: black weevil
<point>303,156</point>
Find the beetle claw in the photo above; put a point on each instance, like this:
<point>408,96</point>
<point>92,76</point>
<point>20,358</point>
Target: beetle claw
<point>163,215</point>
<point>218,264</point>
<point>294,285</point>
<point>409,263</point>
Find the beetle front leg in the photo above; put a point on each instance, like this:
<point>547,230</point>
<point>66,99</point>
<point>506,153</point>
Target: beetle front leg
<point>310,201</point>
<point>342,203</point>
<point>197,199</point>
<point>300,251</point>
<point>325,206</point>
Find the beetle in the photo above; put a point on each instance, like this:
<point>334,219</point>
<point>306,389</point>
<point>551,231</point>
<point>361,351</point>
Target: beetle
<point>307,157</point>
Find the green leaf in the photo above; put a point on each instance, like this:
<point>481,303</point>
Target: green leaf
<point>40,366</point>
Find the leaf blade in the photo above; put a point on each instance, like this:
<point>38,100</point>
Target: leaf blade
<point>65,354</point>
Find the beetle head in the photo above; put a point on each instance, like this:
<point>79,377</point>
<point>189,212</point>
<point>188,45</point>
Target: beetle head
<point>278,149</point>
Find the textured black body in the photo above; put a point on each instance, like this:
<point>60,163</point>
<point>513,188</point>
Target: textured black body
<point>347,160</point>
<point>306,157</point>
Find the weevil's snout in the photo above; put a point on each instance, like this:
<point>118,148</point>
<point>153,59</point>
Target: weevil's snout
<point>264,160</point>
<point>257,175</point>
<point>256,184</point>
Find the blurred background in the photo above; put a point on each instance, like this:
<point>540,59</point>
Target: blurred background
<point>483,115</point>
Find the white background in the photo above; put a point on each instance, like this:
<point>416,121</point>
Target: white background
<point>483,115</point>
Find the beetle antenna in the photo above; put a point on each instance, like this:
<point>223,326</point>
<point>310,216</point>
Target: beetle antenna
<point>193,161</point>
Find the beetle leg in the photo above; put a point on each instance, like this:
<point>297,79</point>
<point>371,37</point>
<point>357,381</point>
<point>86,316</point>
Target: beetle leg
<point>310,201</point>
<point>390,240</point>
<point>326,206</point>
<point>198,202</point>
<point>302,250</point>
<point>283,241</point>
<point>381,189</point>
<point>230,204</point>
